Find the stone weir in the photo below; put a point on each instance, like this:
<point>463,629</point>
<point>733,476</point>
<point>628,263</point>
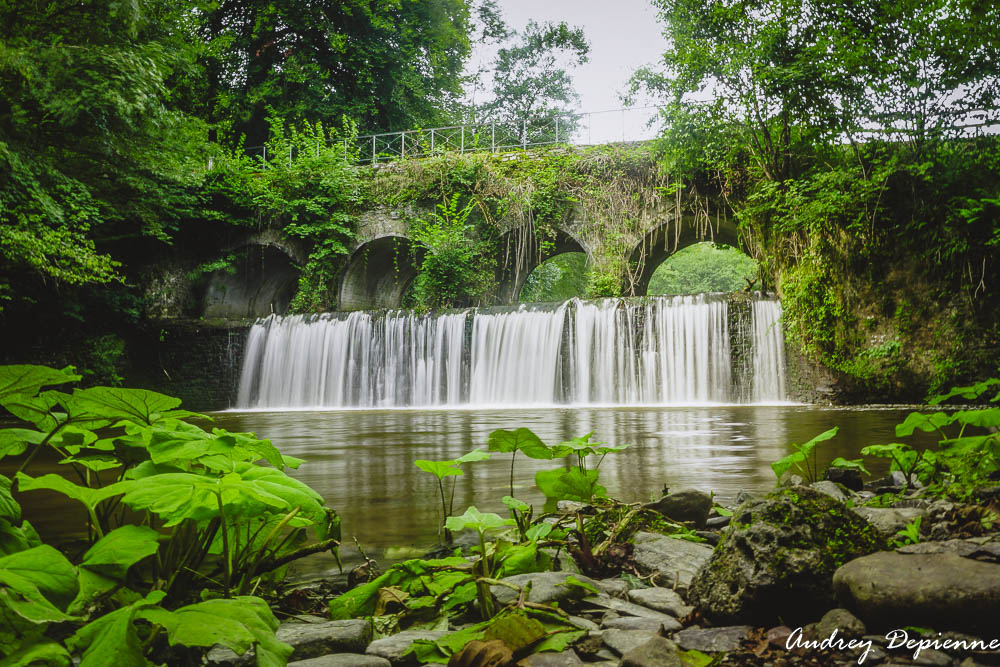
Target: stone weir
<point>707,348</point>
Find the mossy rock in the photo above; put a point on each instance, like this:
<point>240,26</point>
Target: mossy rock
<point>777,559</point>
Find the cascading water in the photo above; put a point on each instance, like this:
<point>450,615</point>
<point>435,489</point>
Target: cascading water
<point>657,350</point>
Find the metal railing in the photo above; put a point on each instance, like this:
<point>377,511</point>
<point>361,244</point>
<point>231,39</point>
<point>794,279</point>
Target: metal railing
<point>579,129</point>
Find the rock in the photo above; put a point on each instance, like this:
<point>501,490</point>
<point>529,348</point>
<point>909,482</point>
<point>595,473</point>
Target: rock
<point>849,477</point>
<point>561,561</point>
<point>583,623</point>
<point>567,658</point>
<point>789,478</point>
<point>743,497</point>
<point>929,656</point>
<point>616,588</point>
<point>989,551</point>
<point>889,520</point>
<point>777,557</point>
<point>843,622</point>
<point>712,640</point>
<point>672,560</point>
<point>830,489</point>
<point>342,660</point>
<point>308,640</point>
<point>718,521</point>
<point>685,506</point>
<point>623,641</point>
<point>709,537</point>
<point>657,652</point>
<point>660,599</point>
<point>640,623</point>
<point>941,591</point>
<point>628,608</point>
<point>393,647</point>
<point>546,588</point>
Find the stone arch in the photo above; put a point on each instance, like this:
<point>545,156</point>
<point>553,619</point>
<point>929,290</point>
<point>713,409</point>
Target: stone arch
<point>378,274</point>
<point>521,253</point>
<point>263,281</point>
<point>664,240</point>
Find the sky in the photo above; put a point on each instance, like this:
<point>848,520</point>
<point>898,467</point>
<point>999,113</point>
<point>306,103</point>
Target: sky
<point>624,35</point>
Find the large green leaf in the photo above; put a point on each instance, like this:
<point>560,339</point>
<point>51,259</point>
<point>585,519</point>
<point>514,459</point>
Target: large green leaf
<point>251,447</point>
<point>989,418</point>
<point>970,392</point>
<point>33,654</point>
<point>86,495</point>
<point>238,624</point>
<point>439,469</point>
<point>139,406</point>
<point>15,441</point>
<point>801,452</point>
<point>421,575</point>
<point>112,639</point>
<point>120,549</point>
<point>572,484</point>
<point>476,520</point>
<point>924,422</point>
<point>474,455</point>
<point>36,585</point>
<point>27,379</point>
<point>37,410</point>
<point>519,440</point>
<point>9,509</point>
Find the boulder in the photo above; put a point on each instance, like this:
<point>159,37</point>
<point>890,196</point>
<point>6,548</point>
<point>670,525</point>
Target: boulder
<point>830,489</point>
<point>342,660</point>
<point>657,652</point>
<point>938,590</point>
<point>671,560</point>
<point>393,647</point>
<point>712,640</point>
<point>639,623</point>
<point>843,622</point>
<point>660,599</point>
<point>778,555</point>
<point>889,520</point>
<point>546,588</point>
<point>623,641</point>
<point>849,477</point>
<point>308,640</point>
<point>686,505</point>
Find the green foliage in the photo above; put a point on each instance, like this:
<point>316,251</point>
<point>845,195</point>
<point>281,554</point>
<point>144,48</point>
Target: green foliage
<point>559,278</point>
<point>214,521</point>
<point>803,459</point>
<point>450,468</point>
<point>909,534</point>
<point>455,269</point>
<point>703,267</point>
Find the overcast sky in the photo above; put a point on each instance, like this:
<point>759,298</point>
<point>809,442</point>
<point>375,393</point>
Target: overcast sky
<point>624,35</point>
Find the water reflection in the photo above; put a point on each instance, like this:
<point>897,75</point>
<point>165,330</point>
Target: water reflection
<point>362,462</point>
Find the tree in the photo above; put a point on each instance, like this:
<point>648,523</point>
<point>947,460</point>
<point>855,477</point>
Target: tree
<point>387,65</point>
<point>530,82</point>
<point>91,152</point>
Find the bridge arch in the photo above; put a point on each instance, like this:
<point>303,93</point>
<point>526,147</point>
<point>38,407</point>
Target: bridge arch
<point>378,273</point>
<point>521,252</point>
<point>667,238</point>
<point>262,280</point>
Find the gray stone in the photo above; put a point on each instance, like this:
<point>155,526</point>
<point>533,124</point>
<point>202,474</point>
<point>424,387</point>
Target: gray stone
<point>672,560</point>
<point>942,591</point>
<point>830,489</point>
<point>845,623</point>
<point>616,588</point>
<point>627,608</point>
<point>778,556</point>
<point>661,599</point>
<point>712,640</point>
<point>561,561</point>
<point>546,588</point>
<point>342,660</point>
<point>583,623</point>
<point>567,658</point>
<point>889,520</point>
<point>709,537</point>
<point>640,623</point>
<point>849,477</point>
<point>718,521</point>
<point>393,647</point>
<point>657,652</point>
<point>934,658</point>
<point>686,505</point>
<point>789,478</point>
<point>308,640</point>
<point>623,641</point>
<point>989,551</point>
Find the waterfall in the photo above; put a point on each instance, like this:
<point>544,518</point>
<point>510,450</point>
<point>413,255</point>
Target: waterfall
<point>650,351</point>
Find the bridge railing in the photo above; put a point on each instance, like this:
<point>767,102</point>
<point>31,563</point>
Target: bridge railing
<point>580,129</point>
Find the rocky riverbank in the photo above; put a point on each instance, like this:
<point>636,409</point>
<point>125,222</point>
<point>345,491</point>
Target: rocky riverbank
<point>807,575</point>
